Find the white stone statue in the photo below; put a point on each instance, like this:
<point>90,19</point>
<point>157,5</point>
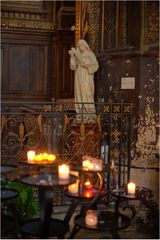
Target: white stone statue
<point>83,61</point>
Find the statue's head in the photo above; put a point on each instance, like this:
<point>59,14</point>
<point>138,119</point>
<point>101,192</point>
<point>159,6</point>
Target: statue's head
<point>83,46</point>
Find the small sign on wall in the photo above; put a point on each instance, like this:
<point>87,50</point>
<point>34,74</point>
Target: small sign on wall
<point>128,83</point>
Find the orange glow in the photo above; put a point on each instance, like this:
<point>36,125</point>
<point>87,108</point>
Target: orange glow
<point>51,157</point>
<point>88,193</point>
<point>45,156</point>
<point>73,188</point>
<point>38,158</point>
<point>91,218</point>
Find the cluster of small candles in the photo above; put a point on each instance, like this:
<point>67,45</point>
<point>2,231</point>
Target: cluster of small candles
<point>32,157</point>
<point>63,169</point>
<point>90,163</point>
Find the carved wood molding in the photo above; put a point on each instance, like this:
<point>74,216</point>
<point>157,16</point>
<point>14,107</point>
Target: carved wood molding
<point>28,15</point>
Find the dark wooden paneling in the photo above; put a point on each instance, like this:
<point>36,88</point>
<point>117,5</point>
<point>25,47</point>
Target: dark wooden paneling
<point>19,74</point>
<point>3,70</point>
<point>64,86</point>
<point>66,83</point>
<point>26,65</point>
<point>41,73</point>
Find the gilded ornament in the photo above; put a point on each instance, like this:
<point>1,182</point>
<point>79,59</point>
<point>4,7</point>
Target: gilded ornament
<point>116,108</point>
<point>126,108</point>
<point>94,24</point>
<point>21,131</point>
<point>116,133</point>
<point>106,108</point>
<point>47,108</point>
<point>66,122</point>
<point>82,130</point>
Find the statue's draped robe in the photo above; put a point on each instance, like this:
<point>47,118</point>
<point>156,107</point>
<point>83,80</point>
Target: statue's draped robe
<point>84,68</point>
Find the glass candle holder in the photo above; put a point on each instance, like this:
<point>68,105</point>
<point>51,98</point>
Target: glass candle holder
<point>91,218</point>
<point>97,164</point>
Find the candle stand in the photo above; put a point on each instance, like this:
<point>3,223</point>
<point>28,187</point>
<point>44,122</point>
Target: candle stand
<point>6,168</point>
<point>107,220</point>
<point>45,226</point>
<point>121,194</point>
<point>8,222</point>
<point>47,180</point>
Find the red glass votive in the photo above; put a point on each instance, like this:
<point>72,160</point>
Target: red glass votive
<point>88,193</point>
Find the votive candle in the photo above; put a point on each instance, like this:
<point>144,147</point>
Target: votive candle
<point>51,157</point>
<point>30,156</point>
<point>91,218</point>
<point>87,184</point>
<point>63,171</point>
<point>73,188</point>
<point>131,188</point>
<point>88,193</point>
<point>86,164</point>
<point>45,156</point>
<point>97,164</point>
<point>38,158</point>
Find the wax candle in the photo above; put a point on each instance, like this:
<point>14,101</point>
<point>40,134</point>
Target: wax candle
<point>97,164</point>
<point>38,158</point>
<point>75,173</point>
<point>131,188</point>
<point>63,171</point>
<point>51,157</point>
<point>91,166</point>
<point>30,156</point>
<point>45,156</point>
<point>73,188</point>
<point>86,164</point>
<point>91,218</point>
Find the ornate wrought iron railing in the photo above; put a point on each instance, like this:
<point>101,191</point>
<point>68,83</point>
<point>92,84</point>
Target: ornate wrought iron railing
<point>56,127</point>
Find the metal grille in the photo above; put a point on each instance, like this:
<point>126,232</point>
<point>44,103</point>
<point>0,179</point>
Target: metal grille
<point>56,127</point>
